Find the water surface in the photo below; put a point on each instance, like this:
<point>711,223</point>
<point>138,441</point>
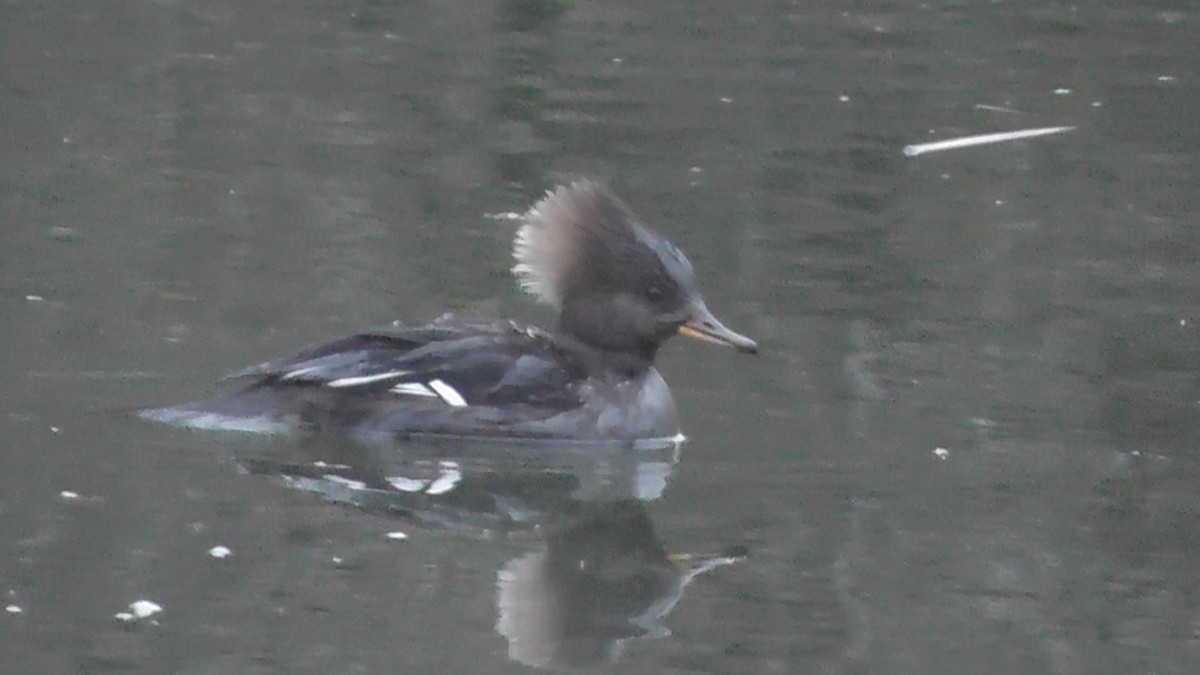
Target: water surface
<point>968,444</point>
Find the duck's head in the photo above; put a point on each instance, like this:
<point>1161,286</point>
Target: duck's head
<point>618,285</point>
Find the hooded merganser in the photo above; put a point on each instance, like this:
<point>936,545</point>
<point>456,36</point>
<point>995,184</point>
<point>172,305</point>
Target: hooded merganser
<point>621,291</point>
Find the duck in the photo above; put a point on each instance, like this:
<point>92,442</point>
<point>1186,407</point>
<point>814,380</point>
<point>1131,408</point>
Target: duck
<point>621,290</point>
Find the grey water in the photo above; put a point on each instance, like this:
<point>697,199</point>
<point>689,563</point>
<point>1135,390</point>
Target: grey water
<point>969,442</point>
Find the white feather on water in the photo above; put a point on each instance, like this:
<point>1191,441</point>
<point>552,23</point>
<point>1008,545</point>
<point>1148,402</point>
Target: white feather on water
<point>984,139</point>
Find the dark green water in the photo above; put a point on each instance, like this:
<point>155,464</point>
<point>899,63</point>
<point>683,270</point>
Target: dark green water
<point>187,188</point>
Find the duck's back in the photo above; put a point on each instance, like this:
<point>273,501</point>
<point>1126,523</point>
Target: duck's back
<point>467,380</point>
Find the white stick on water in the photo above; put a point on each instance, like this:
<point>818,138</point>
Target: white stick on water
<point>968,141</point>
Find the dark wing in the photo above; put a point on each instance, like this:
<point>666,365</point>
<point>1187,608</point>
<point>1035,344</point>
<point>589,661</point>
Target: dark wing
<point>441,378</point>
<point>457,367</point>
<point>349,353</point>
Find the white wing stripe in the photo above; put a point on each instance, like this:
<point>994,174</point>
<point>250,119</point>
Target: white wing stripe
<point>298,373</point>
<point>434,389</point>
<point>413,389</point>
<point>405,484</point>
<point>449,394</point>
<point>364,379</point>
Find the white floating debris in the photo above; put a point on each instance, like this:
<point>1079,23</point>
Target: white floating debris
<point>999,202</point>
<point>941,453</point>
<point>397,535</point>
<point>844,98</point>
<point>13,609</point>
<point>1096,104</point>
<point>34,298</point>
<point>506,215</point>
<point>337,560</point>
<point>695,169</point>
<point>1166,78</point>
<point>55,430</point>
<point>994,108</point>
<point>984,139</point>
<point>220,552</point>
<point>70,496</point>
<point>138,610</point>
<point>1062,91</point>
<point>145,608</point>
<point>726,99</point>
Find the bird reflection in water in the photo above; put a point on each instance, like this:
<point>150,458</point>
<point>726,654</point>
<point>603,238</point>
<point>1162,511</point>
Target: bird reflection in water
<point>599,577</point>
<point>602,579</point>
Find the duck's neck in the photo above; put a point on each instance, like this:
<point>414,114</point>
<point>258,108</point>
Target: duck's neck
<point>620,334</point>
<point>598,360</point>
